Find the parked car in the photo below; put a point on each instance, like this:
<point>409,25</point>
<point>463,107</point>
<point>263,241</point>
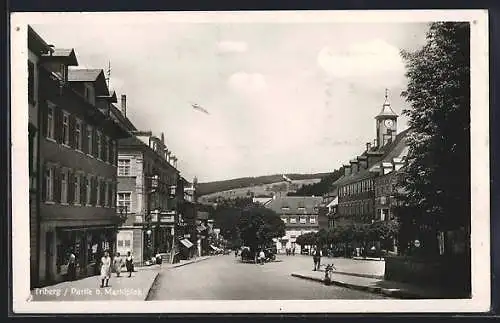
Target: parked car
<point>247,255</point>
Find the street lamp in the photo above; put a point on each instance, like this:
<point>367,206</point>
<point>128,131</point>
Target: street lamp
<point>154,185</point>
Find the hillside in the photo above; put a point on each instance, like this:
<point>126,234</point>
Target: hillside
<point>248,182</point>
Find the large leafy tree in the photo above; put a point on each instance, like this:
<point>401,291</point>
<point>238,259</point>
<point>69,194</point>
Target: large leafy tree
<point>258,225</point>
<point>437,176</point>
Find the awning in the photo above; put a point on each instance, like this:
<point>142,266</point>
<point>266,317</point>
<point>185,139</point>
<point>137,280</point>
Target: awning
<point>188,244</point>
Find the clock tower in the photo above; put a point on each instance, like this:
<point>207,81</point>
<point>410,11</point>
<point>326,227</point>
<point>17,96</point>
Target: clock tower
<point>386,122</point>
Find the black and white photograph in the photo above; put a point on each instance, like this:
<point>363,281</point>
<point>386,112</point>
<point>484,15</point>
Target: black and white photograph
<point>267,161</point>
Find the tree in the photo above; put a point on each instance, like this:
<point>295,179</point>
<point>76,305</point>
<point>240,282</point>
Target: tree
<point>258,226</point>
<point>322,187</point>
<point>437,175</point>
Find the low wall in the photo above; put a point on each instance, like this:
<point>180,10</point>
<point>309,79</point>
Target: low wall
<point>451,272</point>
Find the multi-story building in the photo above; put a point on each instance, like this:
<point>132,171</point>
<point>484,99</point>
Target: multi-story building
<point>328,209</point>
<point>147,195</point>
<point>357,201</point>
<point>37,47</point>
<point>77,154</point>
<point>300,215</point>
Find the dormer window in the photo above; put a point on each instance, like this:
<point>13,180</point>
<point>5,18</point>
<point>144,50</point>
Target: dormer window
<point>89,94</point>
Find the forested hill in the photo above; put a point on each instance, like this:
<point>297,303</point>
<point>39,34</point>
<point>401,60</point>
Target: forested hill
<point>218,186</point>
<point>322,187</point>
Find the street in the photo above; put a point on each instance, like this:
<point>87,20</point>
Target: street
<point>226,278</point>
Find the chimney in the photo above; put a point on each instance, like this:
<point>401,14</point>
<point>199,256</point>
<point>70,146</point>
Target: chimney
<point>368,146</point>
<point>124,105</point>
<point>347,170</point>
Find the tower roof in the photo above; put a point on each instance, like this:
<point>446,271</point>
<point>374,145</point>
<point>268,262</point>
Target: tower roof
<point>386,108</point>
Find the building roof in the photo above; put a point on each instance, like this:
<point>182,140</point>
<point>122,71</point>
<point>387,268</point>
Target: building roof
<point>64,55</point>
<point>36,43</point>
<point>389,151</point>
<point>84,75</point>
<point>386,109</point>
<point>118,115</point>
<point>307,204</point>
<point>95,76</point>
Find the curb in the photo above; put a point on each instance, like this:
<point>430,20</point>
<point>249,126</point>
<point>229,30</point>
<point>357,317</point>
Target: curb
<point>188,263</point>
<point>396,293</point>
<point>151,287</point>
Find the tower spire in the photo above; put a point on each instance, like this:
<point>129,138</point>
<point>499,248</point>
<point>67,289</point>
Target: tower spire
<point>386,102</point>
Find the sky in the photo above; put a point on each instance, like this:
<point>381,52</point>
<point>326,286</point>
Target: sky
<point>282,97</point>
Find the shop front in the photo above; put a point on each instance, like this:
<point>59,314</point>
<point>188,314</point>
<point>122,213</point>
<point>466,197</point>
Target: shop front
<point>87,244</point>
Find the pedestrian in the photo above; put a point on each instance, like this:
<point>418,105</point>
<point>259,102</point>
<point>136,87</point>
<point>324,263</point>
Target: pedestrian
<point>262,257</point>
<point>293,251</point>
<point>129,263</point>
<point>72,267</point>
<point>105,269</point>
<point>118,264</point>
<point>317,258</point>
<point>235,253</point>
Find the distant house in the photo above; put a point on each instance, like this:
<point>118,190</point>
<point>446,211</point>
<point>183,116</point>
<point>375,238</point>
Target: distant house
<point>300,215</point>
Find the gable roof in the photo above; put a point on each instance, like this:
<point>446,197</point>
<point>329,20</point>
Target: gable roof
<point>308,203</point>
<point>66,56</point>
<point>118,115</point>
<point>95,76</point>
<point>389,151</point>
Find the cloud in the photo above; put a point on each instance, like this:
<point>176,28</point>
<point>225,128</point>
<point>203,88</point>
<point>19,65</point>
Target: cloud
<point>232,47</point>
<point>372,58</point>
<point>247,82</point>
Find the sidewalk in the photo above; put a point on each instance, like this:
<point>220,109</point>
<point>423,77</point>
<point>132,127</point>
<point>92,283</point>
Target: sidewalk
<point>120,288</point>
<point>135,288</point>
<point>377,285</point>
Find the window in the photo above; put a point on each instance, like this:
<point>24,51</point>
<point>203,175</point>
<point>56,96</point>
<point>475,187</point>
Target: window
<point>64,187</point>
<point>293,220</point>
<point>98,193</point>
<point>49,184</point>
<point>284,220</point>
<point>78,135</point>
<point>65,128</point>
<point>106,194</point>
<point>285,208</point>
<point>302,220</point>
<point>99,145</point>
<point>113,196</point>
<point>106,149</point>
<point>123,167</point>
<point>50,121</point>
<point>124,201</point>
<point>88,186</point>
<point>77,188</point>
<point>31,82</point>
<point>89,94</point>
<point>89,139</point>
<point>312,220</point>
<point>111,152</point>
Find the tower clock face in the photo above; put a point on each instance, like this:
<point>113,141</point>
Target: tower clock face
<point>389,123</point>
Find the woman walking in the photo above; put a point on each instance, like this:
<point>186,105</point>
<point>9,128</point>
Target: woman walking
<point>118,264</point>
<point>105,269</point>
<point>129,263</point>
<point>72,267</point>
